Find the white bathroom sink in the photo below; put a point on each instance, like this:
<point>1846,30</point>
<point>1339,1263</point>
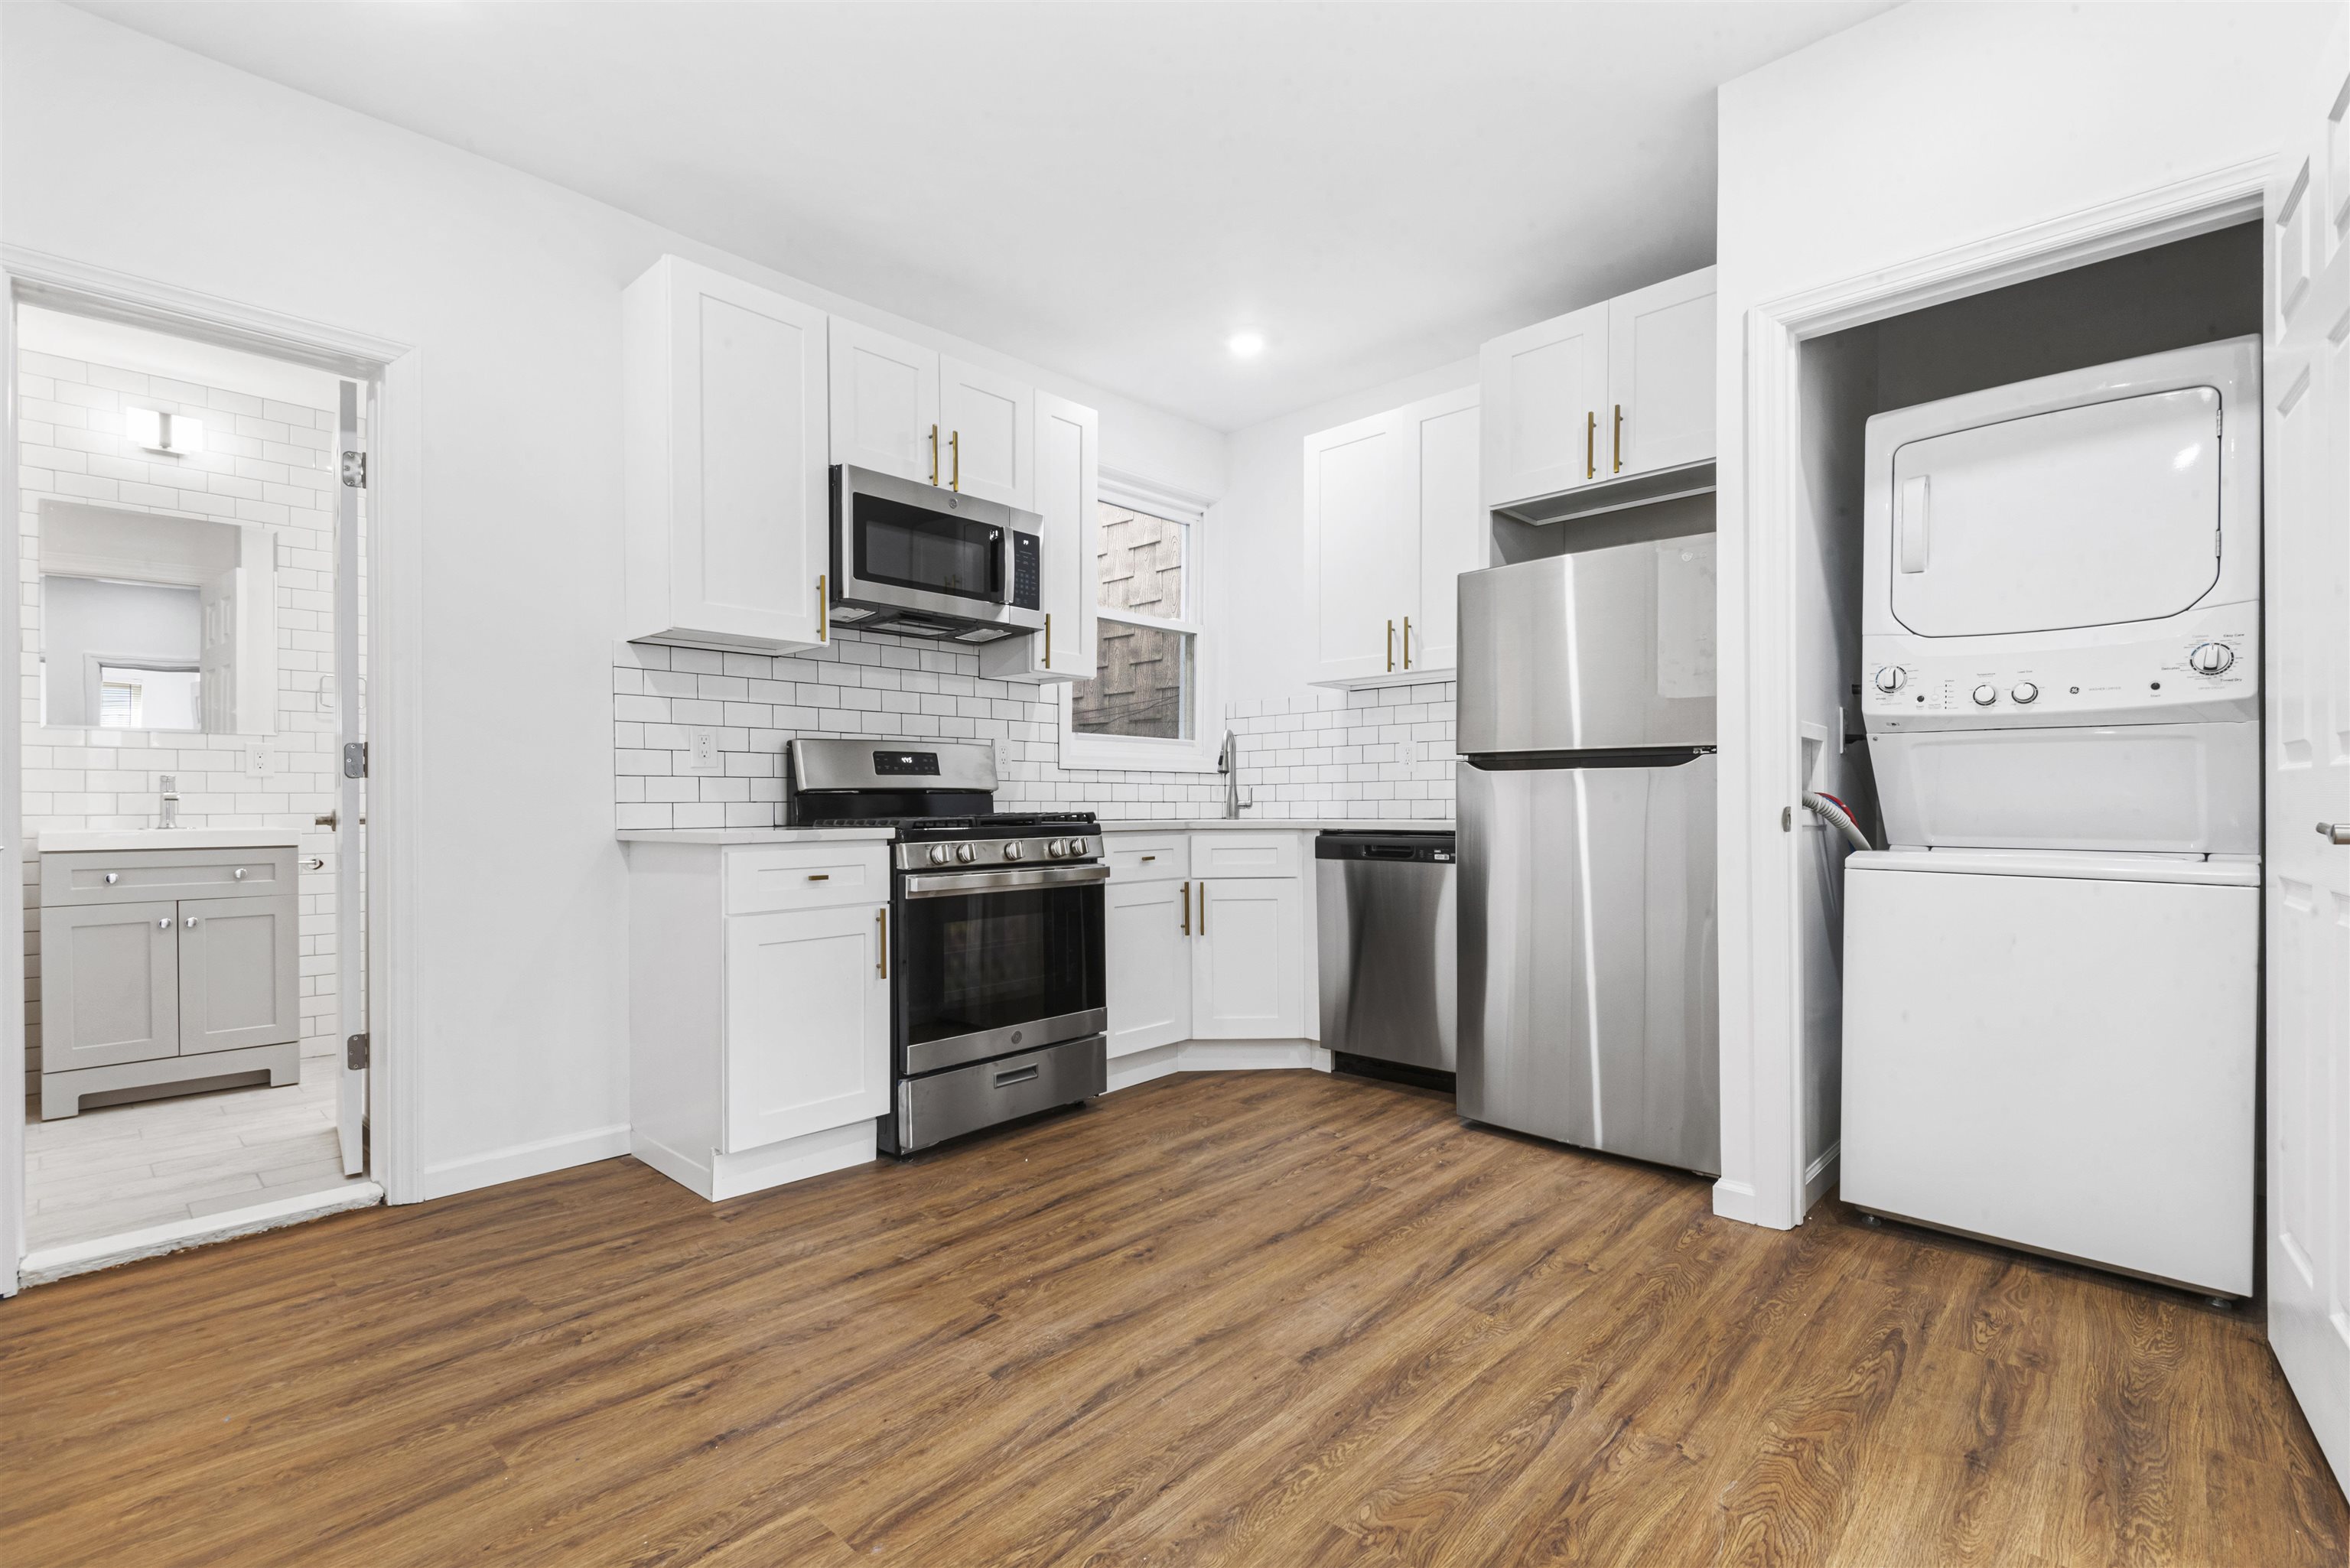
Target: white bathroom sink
<point>75,838</point>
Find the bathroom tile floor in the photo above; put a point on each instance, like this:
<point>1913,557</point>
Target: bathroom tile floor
<point>116,1169</point>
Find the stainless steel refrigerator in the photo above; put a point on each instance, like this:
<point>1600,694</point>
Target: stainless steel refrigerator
<point>1587,911</point>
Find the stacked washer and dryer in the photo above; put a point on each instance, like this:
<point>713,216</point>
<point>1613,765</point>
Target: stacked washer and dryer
<point>2052,975</point>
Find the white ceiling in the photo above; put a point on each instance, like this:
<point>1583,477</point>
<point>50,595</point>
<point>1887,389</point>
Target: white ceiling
<point>1109,191</point>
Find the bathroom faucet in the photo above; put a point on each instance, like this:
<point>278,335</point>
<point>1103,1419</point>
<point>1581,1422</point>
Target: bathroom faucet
<point>170,801</point>
<point>1229,764</point>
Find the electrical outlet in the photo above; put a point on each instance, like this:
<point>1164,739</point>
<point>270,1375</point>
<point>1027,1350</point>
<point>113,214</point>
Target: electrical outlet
<point>1407,751</point>
<point>1002,759</point>
<point>259,762</point>
<point>701,751</point>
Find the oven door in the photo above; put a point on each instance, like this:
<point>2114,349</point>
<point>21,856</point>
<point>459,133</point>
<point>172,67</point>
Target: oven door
<point>995,962</point>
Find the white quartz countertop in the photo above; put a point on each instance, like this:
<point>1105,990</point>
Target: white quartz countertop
<point>754,835</point>
<point>64,839</point>
<point>1280,824</point>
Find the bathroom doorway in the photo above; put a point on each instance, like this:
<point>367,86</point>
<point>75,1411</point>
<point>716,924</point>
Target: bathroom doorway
<point>192,521</point>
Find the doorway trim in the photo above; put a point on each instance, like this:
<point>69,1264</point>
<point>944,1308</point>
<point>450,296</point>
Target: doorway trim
<point>395,559</point>
<point>1763,1003</point>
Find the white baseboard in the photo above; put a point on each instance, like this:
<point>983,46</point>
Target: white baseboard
<point>50,1263</point>
<point>792,1159</point>
<point>1738,1201</point>
<point>516,1162</point>
<point>1216,1056</point>
<point>1821,1174</point>
<point>1142,1066</point>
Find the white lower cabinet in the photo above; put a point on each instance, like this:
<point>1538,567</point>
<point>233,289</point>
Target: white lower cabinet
<point>1148,963</point>
<point>1248,966</point>
<point>759,1041</point>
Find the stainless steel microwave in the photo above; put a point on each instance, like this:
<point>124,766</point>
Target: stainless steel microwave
<point>921,561</point>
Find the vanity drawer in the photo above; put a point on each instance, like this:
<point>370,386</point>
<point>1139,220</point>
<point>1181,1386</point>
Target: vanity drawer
<point>139,876</point>
<point>1258,854</point>
<point>1148,857</point>
<point>806,876</point>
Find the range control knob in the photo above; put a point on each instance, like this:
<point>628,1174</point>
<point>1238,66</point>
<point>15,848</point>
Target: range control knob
<point>1986,694</point>
<point>1890,678</point>
<point>2211,658</point>
<point>965,853</point>
<point>1058,847</point>
<point>2025,692</point>
<point>1014,852</point>
<point>941,855</point>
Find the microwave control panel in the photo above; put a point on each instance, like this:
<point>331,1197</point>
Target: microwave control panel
<point>1027,571</point>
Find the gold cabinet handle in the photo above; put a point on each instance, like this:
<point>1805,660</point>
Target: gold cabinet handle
<point>819,876</point>
<point>1619,438</point>
<point>1203,909</point>
<point>1407,642</point>
<point>881,942</point>
<point>1150,858</point>
<point>1591,445</point>
<point>954,455</point>
<point>1187,908</point>
<point>1391,646</point>
<point>821,610</point>
<point>934,454</point>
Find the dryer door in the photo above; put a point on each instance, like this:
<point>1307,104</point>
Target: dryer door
<point>2085,517</point>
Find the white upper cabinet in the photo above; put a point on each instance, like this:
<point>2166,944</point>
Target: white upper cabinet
<point>1392,519</point>
<point>723,453</point>
<point>1607,406</point>
<point>1544,388</point>
<point>987,421</point>
<point>885,404</point>
<point>1067,467</point>
<point>1661,375</point>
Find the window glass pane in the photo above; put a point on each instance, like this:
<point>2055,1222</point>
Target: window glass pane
<point>1140,563</point>
<point>1141,684</point>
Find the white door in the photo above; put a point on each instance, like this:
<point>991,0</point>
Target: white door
<point>1069,491</point>
<point>2307,385</point>
<point>991,433</point>
<point>885,404</point>
<point>1543,391</point>
<point>1661,376</point>
<point>1451,522</point>
<point>349,820</point>
<point>1148,964</point>
<point>750,503</point>
<point>1248,971</point>
<point>808,1022</point>
<point>1362,557</point>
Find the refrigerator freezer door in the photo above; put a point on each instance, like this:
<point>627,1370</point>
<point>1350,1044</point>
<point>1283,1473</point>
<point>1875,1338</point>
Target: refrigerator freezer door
<point>1607,648</point>
<point>1587,957</point>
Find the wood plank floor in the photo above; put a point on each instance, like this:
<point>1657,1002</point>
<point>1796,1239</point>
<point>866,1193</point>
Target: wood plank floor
<point>1269,1318</point>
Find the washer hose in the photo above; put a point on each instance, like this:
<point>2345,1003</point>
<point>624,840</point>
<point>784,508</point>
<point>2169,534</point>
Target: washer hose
<point>1839,815</point>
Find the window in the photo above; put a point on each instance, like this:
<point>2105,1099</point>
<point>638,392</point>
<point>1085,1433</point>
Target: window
<point>1142,706</point>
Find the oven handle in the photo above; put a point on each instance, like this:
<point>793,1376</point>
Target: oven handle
<point>955,884</point>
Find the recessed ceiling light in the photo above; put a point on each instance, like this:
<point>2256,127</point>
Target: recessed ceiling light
<point>1245,345</point>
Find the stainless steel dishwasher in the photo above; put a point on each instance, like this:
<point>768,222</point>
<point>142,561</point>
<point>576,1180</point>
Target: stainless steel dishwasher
<point>1389,1001</point>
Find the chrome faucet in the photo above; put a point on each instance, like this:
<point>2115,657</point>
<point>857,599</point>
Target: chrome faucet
<point>1229,764</point>
<point>170,817</point>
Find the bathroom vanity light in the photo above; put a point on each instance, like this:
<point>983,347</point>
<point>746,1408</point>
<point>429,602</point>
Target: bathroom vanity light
<point>160,431</point>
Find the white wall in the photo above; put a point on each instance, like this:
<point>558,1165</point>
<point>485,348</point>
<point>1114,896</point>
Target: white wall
<point>509,288</point>
<point>1919,130</point>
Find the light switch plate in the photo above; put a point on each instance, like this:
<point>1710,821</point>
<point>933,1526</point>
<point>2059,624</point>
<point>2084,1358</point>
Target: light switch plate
<point>702,754</point>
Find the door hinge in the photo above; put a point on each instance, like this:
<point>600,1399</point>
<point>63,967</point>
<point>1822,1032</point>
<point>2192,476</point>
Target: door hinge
<point>355,760</point>
<point>355,470</point>
<point>355,1053</point>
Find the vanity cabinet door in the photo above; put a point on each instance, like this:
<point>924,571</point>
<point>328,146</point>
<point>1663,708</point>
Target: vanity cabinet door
<point>807,1022</point>
<point>109,984</point>
<point>238,981</point>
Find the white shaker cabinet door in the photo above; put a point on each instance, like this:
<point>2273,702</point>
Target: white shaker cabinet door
<point>885,404</point>
<point>1069,491</point>
<point>1249,958</point>
<point>109,984</point>
<point>1362,557</point>
<point>1661,375</point>
<point>989,424</point>
<point>1451,523</point>
<point>807,1022</point>
<point>1544,388</point>
<point>729,515</point>
<point>1148,964</point>
<point>238,984</point>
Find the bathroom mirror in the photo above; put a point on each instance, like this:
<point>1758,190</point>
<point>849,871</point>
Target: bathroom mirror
<point>150,621</point>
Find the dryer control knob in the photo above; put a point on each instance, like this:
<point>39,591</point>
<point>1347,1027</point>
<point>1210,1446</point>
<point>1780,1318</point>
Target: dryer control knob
<point>1889,678</point>
<point>1986,694</point>
<point>2211,658</point>
<point>2025,692</point>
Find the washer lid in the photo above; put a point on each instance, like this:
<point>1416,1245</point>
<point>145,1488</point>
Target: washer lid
<point>2089,516</point>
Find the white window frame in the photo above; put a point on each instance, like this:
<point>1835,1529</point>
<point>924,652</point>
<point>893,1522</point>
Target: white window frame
<point>1141,753</point>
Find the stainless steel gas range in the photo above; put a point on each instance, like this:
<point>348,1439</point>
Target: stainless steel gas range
<point>997,1001</point>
